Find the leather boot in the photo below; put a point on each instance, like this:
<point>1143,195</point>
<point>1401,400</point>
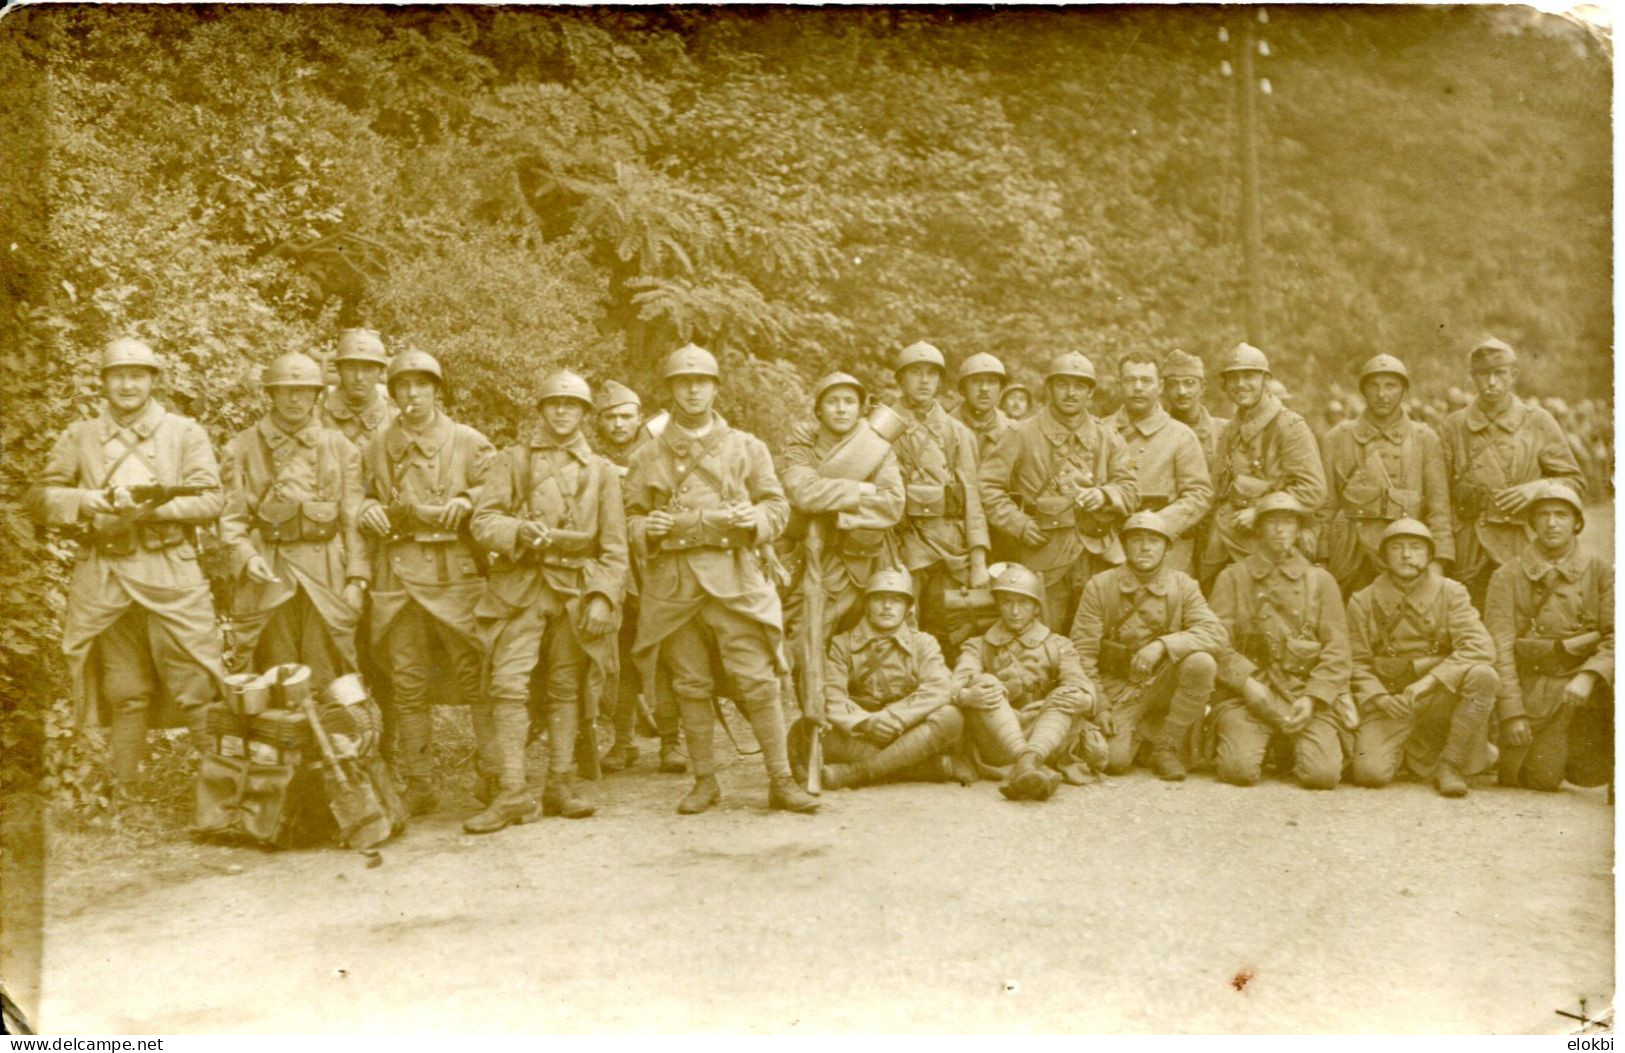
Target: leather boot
<point>673,761</point>
<point>1449,781</point>
<point>621,756</point>
<point>1166,763</point>
<point>1029,780</point>
<point>704,793</point>
<point>784,795</point>
<point>560,798</point>
<point>504,810</point>
<point>419,797</point>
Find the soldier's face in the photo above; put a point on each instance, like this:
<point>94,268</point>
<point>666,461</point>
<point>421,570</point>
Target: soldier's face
<point>981,391</point>
<point>1494,382</point>
<point>886,611</point>
<point>919,382</point>
<point>1069,395</point>
<point>1141,386</point>
<point>1279,532</point>
<point>1145,550</point>
<point>1555,525</point>
<point>1016,404</point>
<point>562,416</point>
<point>1406,557</point>
<point>1017,612</point>
<point>292,406</point>
<point>1245,387</point>
<point>693,395</point>
<point>128,387</point>
<point>838,409</point>
<point>1383,394</point>
<point>358,380</point>
<point>1184,394</point>
<point>620,423</point>
<point>414,393</point>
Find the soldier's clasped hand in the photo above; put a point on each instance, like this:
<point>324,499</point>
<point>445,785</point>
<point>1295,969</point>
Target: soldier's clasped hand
<point>375,520</point>
<point>1297,717</point>
<point>1515,733</point>
<point>982,692</point>
<point>1146,659</point>
<point>532,534</point>
<point>598,617</point>
<point>95,502</point>
<point>1091,499</point>
<point>456,510</point>
<point>883,727</point>
<point>658,523</point>
<point>260,571</point>
<point>1033,535</point>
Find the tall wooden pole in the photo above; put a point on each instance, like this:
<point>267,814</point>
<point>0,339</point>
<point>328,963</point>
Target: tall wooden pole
<point>1252,234</point>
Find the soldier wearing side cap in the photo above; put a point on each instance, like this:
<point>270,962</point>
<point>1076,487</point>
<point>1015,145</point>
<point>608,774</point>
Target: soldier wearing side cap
<point>1265,448</point>
<point>942,539</point>
<point>618,422</point>
<point>1550,612</point>
<point>1170,464</point>
<point>292,525</point>
<point>1149,642</point>
<point>1381,467</point>
<point>1424,680</point>
<point>1497,451</point>
<point>356,406</point>
<point>1057,485</point>
<point>701,500</point>
<point>550,514</point>
<point>421,477</point>
<point>1184,379</point>
<point>139,630</point>
<point>980,380</point>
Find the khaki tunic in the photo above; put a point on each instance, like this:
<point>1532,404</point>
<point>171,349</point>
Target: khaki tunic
<point>1170,468</point>
<point>1117,606</point>
<point>1208,429</point>
<point>1378,475</point>
<point>1531,598</point>
<point>866,671</point>
<point>987,430</point>
<point>358,427</point>
<point>315,464</point>
<point>1297,606</point>
<point>1039,669</point>
<point>936,451</point>
<point>1521,445</point>
<point>157,447</point>
<point>1271,449</point>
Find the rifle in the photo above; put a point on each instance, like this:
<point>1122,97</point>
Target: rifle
<point>157,494</point>
<point>812,659</point>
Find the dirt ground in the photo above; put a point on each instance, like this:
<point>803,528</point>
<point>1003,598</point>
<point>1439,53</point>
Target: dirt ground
<point>1130,906</point>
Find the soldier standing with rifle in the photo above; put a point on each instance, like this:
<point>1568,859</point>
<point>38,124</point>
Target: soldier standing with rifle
<point>1058,484</point>
<point>1170,465</point>
<point>701,501</point>
<point>1290,665</point>
<point>293,498</point>
<point>139,631</point>
<point>981,377</point>
<point>1424,679</point>
<point>1498,450</point>
<point>421,477</point>
<point>1550,612</point>
<point>1381,467</point>
<point>550,514</point>
<point>943,536</point>
<point>620,431</point>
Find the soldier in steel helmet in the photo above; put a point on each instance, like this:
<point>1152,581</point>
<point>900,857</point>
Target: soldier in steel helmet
<point>1149,642</point>
<point>1289,667</point>
<point>1381,467</point>
<point>1498,450</point>
<point>139,631</point>
<point>942,537</point>
<point>701,501</point>
<point>357,405</point>
<point>1424,680</point>
<point>1550,611</point>
<point>981,378</point>
<point>1057,485</point>
<point>1170,465</point>
<point>1025,697</point>
<point>1016,402</point>
<point>550,515</point>
<point>1266,448</point>
<point>293,502</point>
<point>421,477</point>
<point>886,691</point>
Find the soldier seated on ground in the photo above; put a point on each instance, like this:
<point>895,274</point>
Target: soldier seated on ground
<point>1550,612</point>
<point>1423,676</point>
<point>1148,639</point>
<point>1290,662</point>
<point>886,692</point>
<point>1024,694</point>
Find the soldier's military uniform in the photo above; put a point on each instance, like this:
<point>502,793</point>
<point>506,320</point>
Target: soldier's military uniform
<point>705,593</point>
<point>1550,620</point>
<point>426,578</point>
<point>1034,476</point>
<point>1047,698</point>
<point>292,500</point>
<point>1121,612</point>
<point>900,673</point>
<point>1289,631</point>
<point>1398,634</point>
<point>1484,455</point>
<point>1268,450</point>
<point>139,631</point>
<point>535,600</point>
<point>1170,474</point>
<point>1378,474</point>
<point>990,427</point>
<point>358,424</point>
<point>1206,427</point>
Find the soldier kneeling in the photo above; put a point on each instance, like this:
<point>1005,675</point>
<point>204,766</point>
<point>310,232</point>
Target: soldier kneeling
<point>886,691</point>
<point>1423,678</point>
<point>1148,638</point>
<point>1023,691</point>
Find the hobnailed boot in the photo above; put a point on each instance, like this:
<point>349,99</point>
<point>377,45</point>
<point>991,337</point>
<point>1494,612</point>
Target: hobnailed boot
<point>621,757</point>
<point>419,797</point>
<point>784,795</point>
<point>673,761</point>
<point>1449,781</point>
<point>704,793</point>
<point>560,798</point>
<point>1028,781</point>
<point>1166,763</point>
<point>504,810</point>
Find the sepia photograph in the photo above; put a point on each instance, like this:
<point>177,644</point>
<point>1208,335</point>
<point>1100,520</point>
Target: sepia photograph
<point>797,520</point>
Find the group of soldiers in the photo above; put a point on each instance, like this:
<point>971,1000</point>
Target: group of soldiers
<point>909,592</point>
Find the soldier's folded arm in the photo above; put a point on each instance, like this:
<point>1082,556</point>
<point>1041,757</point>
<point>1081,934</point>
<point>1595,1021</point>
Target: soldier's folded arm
<point>494,525</point>
<point>1500,619</point>
<point>198,468</point>
<point>882,509</point>
<point>807,489</point>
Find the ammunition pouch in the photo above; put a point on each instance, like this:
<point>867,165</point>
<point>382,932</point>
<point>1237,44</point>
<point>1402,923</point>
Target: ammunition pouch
<point>1245,489</point>
<point>153,537</point>
<point>861,543</point>
<point>692,530</point>
<point>278,521</point>
<point>1154,502</point>
<point>934,500</point>
<point>1255,647</point>
<point>1051,513</point>
<point>407,524</point>
<point>1395,673</point>
<point>1099,523</point>
<point>1298,657</point>
<point>1474,501</point>
<point>318,520</point>
<point>1542,657</point>
<point>1371,501</point>
<point>1114,659</point>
